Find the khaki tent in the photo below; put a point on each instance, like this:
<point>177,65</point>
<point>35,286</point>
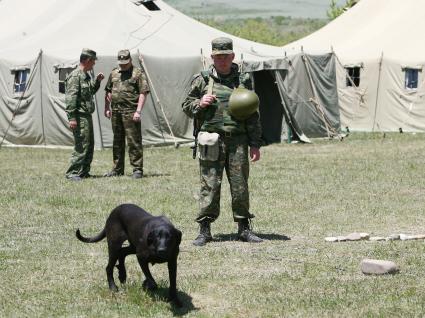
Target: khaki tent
<point>40,43</point>
<point>380,64</point>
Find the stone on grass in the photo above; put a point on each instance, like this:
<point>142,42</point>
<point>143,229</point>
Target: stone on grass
<point>331,239</point>
<point>357,236</point>
<point>377,238</point>
<point>378,267</point>
<point>393,237</point>
<point>407,237</point>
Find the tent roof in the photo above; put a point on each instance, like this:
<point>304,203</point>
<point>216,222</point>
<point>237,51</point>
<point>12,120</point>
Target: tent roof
<point>370,28</point>
<point>62,28</point>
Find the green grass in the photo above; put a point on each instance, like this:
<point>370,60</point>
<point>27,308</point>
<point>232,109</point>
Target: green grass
<point>365,183</point>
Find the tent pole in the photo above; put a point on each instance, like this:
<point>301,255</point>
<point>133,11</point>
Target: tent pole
<point>41,97</point>
<point>176,144</point>
<point>98,117</point>
<point>377,90</point>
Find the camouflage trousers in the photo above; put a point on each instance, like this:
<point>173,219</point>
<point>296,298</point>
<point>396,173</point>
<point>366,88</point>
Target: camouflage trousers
<point>233,158</point>
<point>82,156</point>
<point>123,126</point>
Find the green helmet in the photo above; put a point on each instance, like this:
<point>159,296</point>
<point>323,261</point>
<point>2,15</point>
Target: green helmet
<point>243,103</point>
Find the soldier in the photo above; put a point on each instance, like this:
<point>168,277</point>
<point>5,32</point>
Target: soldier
<point>126,92</point>
<point>227,146</point>
<point>79,91</point>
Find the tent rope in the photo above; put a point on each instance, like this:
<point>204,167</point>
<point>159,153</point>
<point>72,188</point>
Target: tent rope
<point>158,100</point>
<point>21,98</point>
<point>308,104</point>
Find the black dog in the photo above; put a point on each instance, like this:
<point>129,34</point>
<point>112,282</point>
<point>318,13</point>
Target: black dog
<point>153,240</point>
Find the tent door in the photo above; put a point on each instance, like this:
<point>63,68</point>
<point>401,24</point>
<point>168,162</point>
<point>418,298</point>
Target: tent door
<point>271,112</point>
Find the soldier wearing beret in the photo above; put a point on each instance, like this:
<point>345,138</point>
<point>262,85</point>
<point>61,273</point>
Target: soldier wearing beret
<point>207,102</point>
<point>79,106</point>
<point>125,97</point>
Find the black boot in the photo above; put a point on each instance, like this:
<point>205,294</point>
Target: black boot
<point>204,234</point>
<point>245,233</point>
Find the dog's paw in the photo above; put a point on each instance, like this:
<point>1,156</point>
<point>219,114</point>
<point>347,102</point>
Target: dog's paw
<point>113,288</point>
<point>149,284</point>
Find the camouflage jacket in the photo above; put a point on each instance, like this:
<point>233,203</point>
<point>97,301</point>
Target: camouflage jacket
<point>216,117</point>
<point>126,87</point>
<point>79,91</point>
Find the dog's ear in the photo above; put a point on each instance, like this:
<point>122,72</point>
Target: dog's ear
<point>151,238</point>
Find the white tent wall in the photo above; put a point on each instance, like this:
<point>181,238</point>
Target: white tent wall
<point>405,107</point>
<point>381,37</point>
<point>21,118</point>
<point>358,104</point>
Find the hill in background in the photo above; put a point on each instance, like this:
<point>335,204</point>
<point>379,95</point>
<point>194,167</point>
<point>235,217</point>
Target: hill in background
<point>253,8</point>
<point>275,22</point>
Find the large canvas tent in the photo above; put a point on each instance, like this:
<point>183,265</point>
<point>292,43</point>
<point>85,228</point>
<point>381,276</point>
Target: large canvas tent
<point>380,62</point>
<point>40,42</point>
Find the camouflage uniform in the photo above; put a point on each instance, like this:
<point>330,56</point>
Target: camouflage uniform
<point>126,87</point>
<point>79,106</point>
<point>235,137</point>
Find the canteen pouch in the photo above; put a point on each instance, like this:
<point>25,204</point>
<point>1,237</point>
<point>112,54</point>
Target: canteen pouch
<point>208,146</point>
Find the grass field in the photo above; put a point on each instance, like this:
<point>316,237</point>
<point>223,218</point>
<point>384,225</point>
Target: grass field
<point>299,193</point>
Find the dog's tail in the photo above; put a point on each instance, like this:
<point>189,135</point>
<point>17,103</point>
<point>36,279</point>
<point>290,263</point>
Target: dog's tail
<point>93,239</point>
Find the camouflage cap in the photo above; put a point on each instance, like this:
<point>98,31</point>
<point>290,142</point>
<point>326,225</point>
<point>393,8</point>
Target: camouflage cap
<point>222,46</point>
<point>124,57</point>
<point>90,53</point>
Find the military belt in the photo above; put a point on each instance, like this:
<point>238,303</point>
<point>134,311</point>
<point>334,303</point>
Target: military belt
<point>229,134</point>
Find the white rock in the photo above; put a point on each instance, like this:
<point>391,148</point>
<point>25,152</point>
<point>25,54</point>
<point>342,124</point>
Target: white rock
<point>377,238</point>
<point>418,236</point>
<point>393,237</point>
<point>364,236</point>
<point>405,237</point>
<point>341,238</point>
<point>331,239</point>
<point>357,236</point>
<point>354,237</point>
<point>378,267</point>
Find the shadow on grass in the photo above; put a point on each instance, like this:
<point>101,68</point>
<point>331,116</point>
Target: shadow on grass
<point>161,293</point>
<point>220,237</point>
<point>145,175</point>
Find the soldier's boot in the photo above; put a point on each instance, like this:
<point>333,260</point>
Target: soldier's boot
<point>204,234</point>
<point>245,233</point>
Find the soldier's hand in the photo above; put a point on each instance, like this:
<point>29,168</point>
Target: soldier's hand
<point>207,100</point>
<point>254,154</point>
<point>136,117</point>
<point>107,113</point>
<point>100,77</point>
<point>72,124</point>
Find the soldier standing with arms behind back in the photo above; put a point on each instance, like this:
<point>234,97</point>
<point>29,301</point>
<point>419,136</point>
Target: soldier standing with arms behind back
<point>126,92</point>
<point>223,141</point>
<point>79,105</point>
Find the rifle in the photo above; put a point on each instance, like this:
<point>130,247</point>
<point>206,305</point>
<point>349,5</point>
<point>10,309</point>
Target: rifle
<point>196,129</point>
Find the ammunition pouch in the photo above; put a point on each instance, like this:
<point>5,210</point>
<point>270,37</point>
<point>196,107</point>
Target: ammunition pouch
<point>208,146</point>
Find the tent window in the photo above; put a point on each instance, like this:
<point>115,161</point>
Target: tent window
<point>148,5</point>
<point>63,73</point>
<point>411,78</point>
<point>353,76</point>
<point>20,80</point>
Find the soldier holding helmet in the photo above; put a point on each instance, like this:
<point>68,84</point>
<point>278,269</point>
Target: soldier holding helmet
<point>225,139</point>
